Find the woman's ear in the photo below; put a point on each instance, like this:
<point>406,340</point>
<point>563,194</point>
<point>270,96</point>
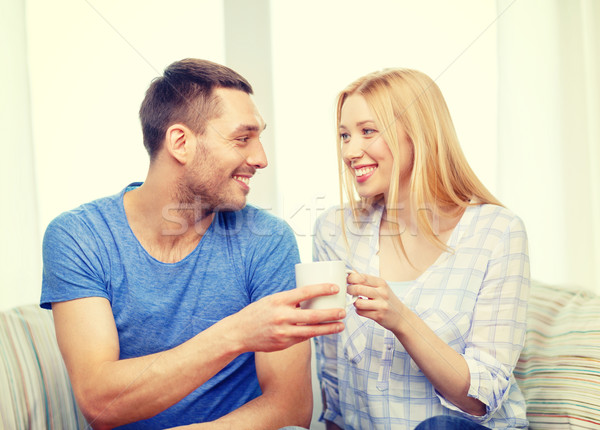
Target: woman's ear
<point>180,143</point>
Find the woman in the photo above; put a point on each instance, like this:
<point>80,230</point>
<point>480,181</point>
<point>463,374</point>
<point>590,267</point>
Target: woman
<point>441,267</point>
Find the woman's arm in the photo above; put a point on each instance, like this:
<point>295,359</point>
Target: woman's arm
<point>476,380</point>
<point>445,368</point>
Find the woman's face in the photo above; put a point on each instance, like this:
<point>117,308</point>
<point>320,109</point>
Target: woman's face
<point>366,153</point>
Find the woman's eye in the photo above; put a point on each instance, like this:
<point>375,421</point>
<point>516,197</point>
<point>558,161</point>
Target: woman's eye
<point>367,131</point>
<point>345,137</point>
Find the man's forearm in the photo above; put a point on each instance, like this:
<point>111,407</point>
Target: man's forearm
<point>285,381</point>
<point>264,412</point>
<point>113,392</point>
<point>126,391</point>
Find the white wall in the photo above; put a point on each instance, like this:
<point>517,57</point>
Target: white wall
<point>549,159</point>
<point>20,253</point>
<point>320,47</point>
<point>90,65</point>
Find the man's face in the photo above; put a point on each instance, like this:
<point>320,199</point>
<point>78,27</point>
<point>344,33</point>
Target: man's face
<point>227,154</point>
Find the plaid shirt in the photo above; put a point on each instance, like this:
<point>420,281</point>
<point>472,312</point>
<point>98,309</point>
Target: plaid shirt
<point>474,298</point>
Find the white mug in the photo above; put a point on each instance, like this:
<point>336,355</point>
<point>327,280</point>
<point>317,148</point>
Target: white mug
<point>324,272</point>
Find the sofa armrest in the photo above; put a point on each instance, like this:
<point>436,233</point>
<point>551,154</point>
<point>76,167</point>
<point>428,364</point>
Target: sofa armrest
<point>34,385</point>
<point>559,368</point>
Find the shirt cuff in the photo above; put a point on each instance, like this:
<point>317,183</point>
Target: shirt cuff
<point>331,410</point>
<point>334,417</point>
<point>481,389</point>
<point>477,418</point>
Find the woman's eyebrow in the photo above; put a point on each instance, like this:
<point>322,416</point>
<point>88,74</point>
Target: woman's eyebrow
<point>367,121</point>
<point>358,124</point>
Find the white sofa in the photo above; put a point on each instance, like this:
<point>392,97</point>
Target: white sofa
<point>559,369</point>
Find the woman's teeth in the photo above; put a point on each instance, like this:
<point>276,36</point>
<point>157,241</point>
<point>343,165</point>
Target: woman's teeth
<point>364,170</point>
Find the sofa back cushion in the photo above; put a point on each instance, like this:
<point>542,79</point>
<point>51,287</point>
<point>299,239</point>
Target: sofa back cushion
<point>35,391</point>
<point>559,368</point>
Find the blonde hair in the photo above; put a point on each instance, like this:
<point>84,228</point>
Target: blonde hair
<point>441,178</point>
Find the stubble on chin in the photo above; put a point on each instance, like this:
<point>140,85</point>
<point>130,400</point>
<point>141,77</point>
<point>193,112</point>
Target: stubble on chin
<point>196,201</point>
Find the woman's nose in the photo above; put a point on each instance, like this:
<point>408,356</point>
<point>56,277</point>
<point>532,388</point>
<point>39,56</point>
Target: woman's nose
<point>352,149</point>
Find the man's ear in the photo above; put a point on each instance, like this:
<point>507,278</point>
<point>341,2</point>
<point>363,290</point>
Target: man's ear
<point>180,143</point>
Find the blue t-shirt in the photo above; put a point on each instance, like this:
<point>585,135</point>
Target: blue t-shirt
<point>92,252</point>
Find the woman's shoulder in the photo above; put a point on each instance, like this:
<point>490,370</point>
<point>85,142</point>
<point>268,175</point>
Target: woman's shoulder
<point>332,217</point>
<point>336,215</point>
<point>492,220</point>
<point>497,215</point>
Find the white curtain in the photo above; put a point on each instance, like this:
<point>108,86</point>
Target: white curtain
<point>20,260</point>
<point>549,133</point>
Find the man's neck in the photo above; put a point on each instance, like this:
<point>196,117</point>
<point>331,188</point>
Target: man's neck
<point>167,229</point>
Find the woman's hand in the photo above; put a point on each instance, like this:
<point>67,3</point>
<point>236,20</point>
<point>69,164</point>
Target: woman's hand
<point>443,366</point>
<point>378,302</point>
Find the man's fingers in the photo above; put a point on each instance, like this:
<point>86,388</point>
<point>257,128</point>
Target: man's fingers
<point>308,331</point>
<point>318,316</point>
<point>307,292</point>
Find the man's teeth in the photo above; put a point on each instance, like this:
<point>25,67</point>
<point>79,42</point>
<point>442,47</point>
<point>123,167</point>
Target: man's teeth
<point>364,170</point>
<point>243,179</point>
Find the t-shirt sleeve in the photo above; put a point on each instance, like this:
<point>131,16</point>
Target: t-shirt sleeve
<point>72,266</point>
<point>274,255</point>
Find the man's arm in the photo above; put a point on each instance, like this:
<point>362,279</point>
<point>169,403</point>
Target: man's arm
<point>112,392</point>
<point>286,398</point>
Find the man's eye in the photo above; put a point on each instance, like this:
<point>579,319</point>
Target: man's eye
<point>244,139</point>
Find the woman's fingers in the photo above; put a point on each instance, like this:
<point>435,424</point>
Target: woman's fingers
<point>364,279</point>
<point>364,291</point>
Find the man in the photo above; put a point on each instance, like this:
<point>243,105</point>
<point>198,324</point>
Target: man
<point>169,298</point>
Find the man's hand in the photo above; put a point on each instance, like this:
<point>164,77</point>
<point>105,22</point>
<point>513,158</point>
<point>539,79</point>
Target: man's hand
<point>276,322</point>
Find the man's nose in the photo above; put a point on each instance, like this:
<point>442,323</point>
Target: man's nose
<point>257,157</point>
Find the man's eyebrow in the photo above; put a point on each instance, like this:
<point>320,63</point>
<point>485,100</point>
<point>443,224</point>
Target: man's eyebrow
<point>248,127</point>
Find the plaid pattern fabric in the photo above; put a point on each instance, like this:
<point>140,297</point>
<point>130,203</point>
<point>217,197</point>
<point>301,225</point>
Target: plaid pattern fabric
<point>474,298</point>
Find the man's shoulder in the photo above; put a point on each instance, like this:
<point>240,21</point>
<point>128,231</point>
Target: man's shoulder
<point>252,211</point>
<point>254,220</point>
<point>86,217</point>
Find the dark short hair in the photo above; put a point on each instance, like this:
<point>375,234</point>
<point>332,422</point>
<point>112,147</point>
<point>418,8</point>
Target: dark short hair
<point>185,94</point>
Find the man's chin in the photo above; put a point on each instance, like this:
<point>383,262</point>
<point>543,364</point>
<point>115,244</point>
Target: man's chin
<point>231,206</point>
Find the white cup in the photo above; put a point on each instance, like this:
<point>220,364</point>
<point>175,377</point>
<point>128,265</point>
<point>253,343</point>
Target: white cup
<point>324,272</point>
